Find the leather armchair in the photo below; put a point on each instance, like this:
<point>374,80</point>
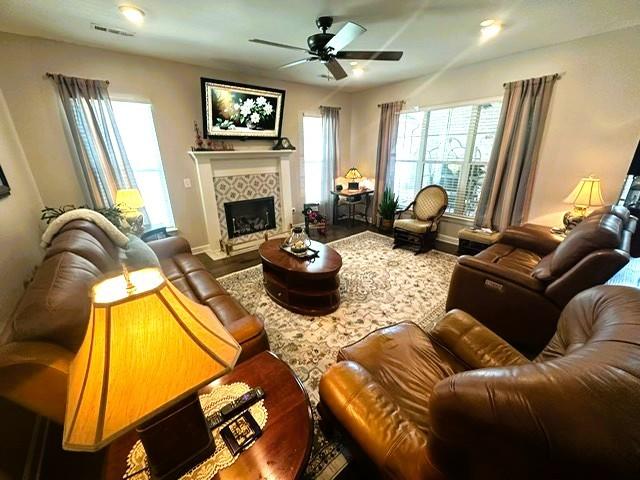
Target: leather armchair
<point>519,285</point>
<point>460,402</point>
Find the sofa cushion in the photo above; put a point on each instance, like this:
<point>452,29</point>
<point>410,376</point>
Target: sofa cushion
<point>56,305</point>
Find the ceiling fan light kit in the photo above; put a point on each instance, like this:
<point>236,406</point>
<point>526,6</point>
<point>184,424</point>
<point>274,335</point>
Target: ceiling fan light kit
<point>328,48</point>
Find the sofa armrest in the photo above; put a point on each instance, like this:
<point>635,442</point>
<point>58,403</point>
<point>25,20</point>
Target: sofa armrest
<point>34,375</point>
<point>169,247</point>
<point>392,442</point>
<point>512,276</point>
<point>535,238</point>
<point>473,344</point>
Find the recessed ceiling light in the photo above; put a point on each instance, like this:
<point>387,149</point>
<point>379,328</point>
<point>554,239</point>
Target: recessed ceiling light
<point>357,72</point>
<point>490,28</point>
<point>353,64</point>
<point>133,14</point>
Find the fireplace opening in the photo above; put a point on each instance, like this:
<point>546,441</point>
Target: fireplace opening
<point>250,216</point>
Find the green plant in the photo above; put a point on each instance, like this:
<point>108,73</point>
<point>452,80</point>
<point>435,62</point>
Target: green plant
<point>113,214</point>
<point>388,205</point>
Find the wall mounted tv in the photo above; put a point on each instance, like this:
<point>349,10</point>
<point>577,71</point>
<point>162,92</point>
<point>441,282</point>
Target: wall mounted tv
<point>236,110</point>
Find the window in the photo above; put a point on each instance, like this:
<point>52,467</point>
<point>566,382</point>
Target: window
<point>448,147</point>
<point>135,124</point>
<point>312,156</point>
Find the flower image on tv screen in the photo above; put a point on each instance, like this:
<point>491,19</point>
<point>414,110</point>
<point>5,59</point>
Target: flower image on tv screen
<point>241,111</point>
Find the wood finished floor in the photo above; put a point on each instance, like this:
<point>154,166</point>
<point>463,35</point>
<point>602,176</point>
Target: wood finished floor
<point>219,268</point>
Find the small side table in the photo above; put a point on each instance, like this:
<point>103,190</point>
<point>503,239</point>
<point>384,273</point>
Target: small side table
<point>284,448</point>
<point>351,197</point>
<point>471,242</point>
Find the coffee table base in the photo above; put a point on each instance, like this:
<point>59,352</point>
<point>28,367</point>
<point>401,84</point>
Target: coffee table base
<point>306,296</point>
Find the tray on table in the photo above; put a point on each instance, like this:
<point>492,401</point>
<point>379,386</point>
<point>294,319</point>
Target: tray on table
<point>309,253</point>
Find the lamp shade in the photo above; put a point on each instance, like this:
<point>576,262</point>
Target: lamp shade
<point>129,198</point>
<point>586,194</point>
<point>353,174</point>
<point>146,348</point>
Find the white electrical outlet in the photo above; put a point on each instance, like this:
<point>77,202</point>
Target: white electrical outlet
<point>187,183</point>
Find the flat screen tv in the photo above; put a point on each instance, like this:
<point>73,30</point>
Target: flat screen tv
<point>236,110</point>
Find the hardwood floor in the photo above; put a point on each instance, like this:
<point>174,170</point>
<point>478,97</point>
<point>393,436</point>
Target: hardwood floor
<point>219,268</point>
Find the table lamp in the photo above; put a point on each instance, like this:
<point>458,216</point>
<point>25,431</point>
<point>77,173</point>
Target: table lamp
<point>147,351</point>
<point>353,174</point>
<point>130,202</point>
<point>586,194</point>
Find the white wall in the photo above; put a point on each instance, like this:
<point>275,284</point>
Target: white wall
<point>594,118</point>
<point>20,213</point>
<point>174,90</point>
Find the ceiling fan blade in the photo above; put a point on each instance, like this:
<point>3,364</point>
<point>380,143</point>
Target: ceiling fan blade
<point>369,55</point>
<point>336,69</point>
<point>347,34</point>
<point>298,62</point>
<point>279,45</point>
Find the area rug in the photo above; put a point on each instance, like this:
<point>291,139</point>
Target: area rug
<point>378,287</point>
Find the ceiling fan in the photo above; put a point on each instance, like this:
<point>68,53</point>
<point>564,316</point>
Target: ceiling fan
<point>327,47</point>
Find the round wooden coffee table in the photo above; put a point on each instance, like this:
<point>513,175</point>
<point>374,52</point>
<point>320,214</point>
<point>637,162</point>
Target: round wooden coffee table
<point>309,287</point>
<point>284,448</point>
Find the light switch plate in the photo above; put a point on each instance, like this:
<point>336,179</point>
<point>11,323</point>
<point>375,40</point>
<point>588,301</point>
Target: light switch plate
<point>187,183</point>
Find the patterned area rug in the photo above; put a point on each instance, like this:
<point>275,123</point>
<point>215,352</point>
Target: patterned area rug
<point>379,286</point>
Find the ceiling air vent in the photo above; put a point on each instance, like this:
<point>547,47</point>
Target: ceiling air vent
<point>115,31</point>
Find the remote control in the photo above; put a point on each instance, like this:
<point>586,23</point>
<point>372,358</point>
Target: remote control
<point>233,409</point>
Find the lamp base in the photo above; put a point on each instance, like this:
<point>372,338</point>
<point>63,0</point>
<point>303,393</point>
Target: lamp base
<point>177,439</point>
<point>574,217</point>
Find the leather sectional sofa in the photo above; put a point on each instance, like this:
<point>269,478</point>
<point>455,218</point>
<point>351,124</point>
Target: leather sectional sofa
<point>518,286</point>
<point>49,323</point>
<point>461,403</point>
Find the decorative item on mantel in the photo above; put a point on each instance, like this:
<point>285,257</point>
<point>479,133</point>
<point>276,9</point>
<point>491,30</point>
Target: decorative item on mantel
<point>283,143</point>
<point>199,140</point>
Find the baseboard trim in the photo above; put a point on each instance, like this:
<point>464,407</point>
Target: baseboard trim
<point>447,239</point>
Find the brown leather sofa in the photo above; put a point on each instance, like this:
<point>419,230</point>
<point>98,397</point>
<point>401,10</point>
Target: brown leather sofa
<point>49,323</point>
<point>518,286</point>
<point>460,402</point>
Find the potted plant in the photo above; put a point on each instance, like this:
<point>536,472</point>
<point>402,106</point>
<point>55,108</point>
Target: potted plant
<point>387,208</point>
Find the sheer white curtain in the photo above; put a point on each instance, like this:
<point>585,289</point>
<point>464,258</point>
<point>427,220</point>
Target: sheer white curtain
<point>330,157</point>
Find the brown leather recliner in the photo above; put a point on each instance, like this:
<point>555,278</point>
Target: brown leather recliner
<point>49,323</point>
<point>518,286</point>
<point>460,402</point>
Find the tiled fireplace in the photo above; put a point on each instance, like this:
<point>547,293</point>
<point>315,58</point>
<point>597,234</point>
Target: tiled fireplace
<point>244,194</point>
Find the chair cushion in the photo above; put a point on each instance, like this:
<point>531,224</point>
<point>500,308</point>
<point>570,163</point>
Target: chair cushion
<point>429,202</point>
<point>414,225</point>
<point>510,257</point>
<point>404,362</point>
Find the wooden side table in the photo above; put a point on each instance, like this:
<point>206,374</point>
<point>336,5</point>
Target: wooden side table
<point>309,287</point>
<point>284,448</point>
<point>352,197</point>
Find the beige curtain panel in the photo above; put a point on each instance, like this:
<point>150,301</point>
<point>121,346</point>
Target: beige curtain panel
<point>506,193</point>
<point>330,157</point>
<point>386,156</point>
<point>102,159</point>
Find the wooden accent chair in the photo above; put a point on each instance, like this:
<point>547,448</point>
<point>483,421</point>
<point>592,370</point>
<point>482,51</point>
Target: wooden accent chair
<point>417,225</point>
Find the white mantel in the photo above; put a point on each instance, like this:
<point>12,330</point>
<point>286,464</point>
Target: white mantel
<point>214,164</point>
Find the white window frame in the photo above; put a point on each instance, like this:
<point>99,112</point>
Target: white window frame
<point>303,176</point>
<point>466,162</point>
<point>122,97</point>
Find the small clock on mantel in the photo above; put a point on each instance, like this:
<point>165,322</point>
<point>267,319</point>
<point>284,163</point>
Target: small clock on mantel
<point>283,143</point>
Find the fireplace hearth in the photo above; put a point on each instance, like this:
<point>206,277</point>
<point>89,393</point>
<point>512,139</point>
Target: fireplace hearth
<point>249,216</point>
